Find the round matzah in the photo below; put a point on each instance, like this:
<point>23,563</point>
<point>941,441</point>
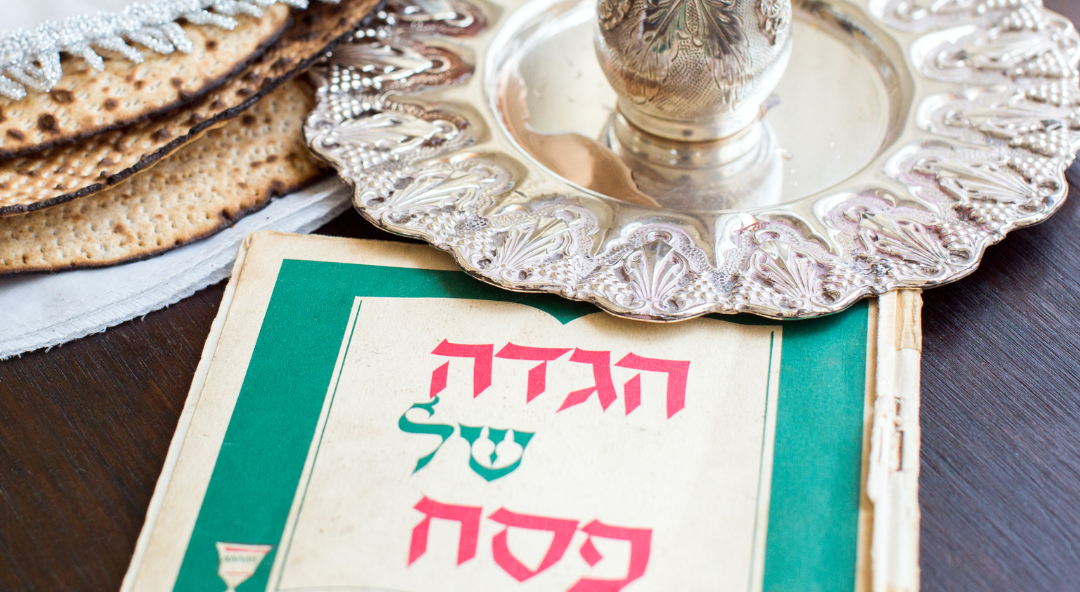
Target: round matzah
<point>84,167</point>
<point>203,188</point>
<point>86,101</point>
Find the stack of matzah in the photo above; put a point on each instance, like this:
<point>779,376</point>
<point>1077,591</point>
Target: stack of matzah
<point>121,164</point>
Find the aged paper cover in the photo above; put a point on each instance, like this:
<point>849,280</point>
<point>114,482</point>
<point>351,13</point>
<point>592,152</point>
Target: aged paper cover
<point>365,417</point>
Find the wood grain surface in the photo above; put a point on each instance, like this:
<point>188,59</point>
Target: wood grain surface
<point>84,428</point>
<point>1000,482</point>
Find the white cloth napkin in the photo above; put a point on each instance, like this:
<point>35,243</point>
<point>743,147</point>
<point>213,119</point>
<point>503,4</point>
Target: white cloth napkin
<point>45,310</point>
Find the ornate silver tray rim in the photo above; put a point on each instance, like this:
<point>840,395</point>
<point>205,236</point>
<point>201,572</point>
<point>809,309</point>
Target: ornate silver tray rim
<point>994,124</point>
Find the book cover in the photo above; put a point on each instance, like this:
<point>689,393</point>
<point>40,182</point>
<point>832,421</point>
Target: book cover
<point>366,417</point>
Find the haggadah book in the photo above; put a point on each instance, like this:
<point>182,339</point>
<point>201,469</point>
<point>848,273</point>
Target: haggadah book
<point>368,418</point>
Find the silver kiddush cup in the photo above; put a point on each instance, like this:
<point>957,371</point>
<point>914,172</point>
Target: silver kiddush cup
<point>693,70</point>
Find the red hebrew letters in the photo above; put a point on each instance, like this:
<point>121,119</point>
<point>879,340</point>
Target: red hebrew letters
<point>468,516</point>
<point>563,531</point>
<point>481,355</point>
<point>438,379</point>
<point>603,387</point>
<point>676,381</point>
<point>538,373</point>
<point>602,384</point>
<point>640,540</point>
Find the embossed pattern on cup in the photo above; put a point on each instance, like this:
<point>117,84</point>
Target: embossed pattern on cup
<point>693,69</point>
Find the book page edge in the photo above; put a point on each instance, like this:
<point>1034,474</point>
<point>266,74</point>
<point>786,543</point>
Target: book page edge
<point>892,470</point>
<point>184,423</point>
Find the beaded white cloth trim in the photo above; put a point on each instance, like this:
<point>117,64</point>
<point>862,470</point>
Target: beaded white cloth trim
<point>31,59</point>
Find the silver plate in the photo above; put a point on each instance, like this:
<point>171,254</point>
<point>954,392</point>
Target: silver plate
<point>912,134</point>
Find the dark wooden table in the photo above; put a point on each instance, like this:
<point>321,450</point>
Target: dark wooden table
<point>84,428</point>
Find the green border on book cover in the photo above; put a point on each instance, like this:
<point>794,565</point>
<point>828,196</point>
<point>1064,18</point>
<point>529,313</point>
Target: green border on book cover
<point>817,458</point>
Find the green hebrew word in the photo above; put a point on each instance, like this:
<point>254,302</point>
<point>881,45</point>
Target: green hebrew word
<point>496,436</point>
<point>442,430</point>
